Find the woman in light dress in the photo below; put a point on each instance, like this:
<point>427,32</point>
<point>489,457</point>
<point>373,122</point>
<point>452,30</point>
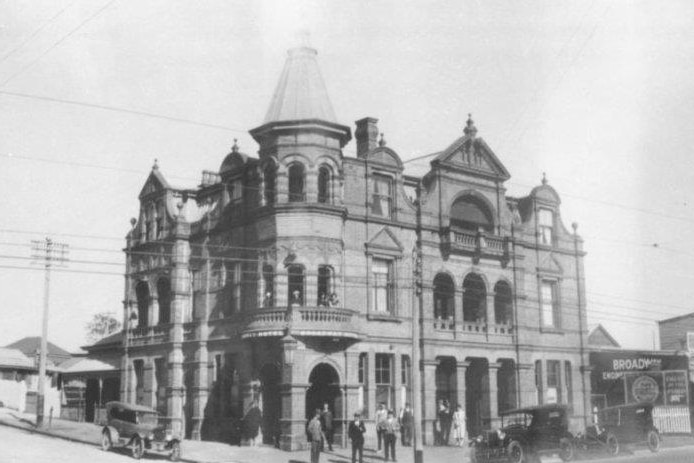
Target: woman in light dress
<point>459,426</point>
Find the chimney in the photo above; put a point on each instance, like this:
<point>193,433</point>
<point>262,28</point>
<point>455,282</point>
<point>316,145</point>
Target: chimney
<point>366,135</point>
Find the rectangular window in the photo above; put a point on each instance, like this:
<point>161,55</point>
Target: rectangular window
<point>363,359</point>
<point>569,384</point>
<point>234,274</point>
<point>296,285</point>
<point>381,271</point>
<point>406,369</point>
<point>554,380</point>
<point>382,198</point>
<point>538,380</point>
<point>324,289</point>
<point>236,190</point>
<point>161,376</point>
<point>384,380</point>
<point>546,222</point>
<point>549,303</point>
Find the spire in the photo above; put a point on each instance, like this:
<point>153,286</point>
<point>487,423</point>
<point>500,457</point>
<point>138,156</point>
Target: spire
<point>300,92</point>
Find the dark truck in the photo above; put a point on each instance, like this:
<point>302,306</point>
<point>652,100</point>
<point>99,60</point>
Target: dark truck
<point>525,434</point>
<point>138,428</point>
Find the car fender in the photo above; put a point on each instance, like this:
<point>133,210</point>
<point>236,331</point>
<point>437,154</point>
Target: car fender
<point>171,442</point>
<point>113,432</point>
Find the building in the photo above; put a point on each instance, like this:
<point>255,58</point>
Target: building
<point>629,376</point>
<point>19,382</point>
<point>31,347</point>
<point>293,279</point>
<point>677,333</point>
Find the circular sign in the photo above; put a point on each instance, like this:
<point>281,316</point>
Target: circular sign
<point>645,389</point>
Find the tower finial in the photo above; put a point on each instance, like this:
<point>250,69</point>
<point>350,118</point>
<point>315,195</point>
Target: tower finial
<point>544,178</point>
<point>235,146</point>
<point>382,141</point>
<point>156,164</point>
<point>470,128</point>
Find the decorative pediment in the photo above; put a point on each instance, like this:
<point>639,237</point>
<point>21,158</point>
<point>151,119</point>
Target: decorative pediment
<point>155,182</point>
<point>471,154</point>
<point>385,241</point>
<point>549,264</point>
<point>386,156</point>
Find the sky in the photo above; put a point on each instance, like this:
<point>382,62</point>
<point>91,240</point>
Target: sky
<point>595,94</point>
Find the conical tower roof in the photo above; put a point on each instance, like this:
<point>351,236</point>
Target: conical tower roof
<point>300,92</point>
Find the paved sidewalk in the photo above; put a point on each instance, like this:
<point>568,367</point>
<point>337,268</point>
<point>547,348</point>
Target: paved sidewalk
<point>216,452</point>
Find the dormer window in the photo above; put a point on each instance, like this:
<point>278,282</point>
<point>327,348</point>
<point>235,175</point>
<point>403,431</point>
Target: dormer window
<point>546,223</point>
<point>382,198</point>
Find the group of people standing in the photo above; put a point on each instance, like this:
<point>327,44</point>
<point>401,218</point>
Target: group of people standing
<point>447,421</point>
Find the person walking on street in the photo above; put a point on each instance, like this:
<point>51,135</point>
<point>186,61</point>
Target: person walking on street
<point>444,416</point>
<point>356,435</point>
<point>381,417</point>
<point>315,436</point>
<point>390,435</point>
<point>326,418</point>
<point>459,426</point>
<point>406,421</point>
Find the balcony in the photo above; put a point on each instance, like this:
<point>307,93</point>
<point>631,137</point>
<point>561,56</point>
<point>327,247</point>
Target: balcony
<point>302,321</point>
<point>479,244</point>
<point>147,335</point>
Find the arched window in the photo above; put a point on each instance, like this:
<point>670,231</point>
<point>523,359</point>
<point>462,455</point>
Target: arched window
<point>164,295</point>
<point>296,183</point>
<point>470,213</point>
<point>474,299</point>
<point>325,289</point>
<point>142,294</point>
<point>444,297</point>
<point>296,285</point>
<point>503,303</point>
<point>324,184</point>
<point>269,192</point>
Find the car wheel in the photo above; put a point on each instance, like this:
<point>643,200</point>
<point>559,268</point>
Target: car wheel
<point>137,448</point>
<point>106,443</point>
<point>653,441</point>
<point>566,449</point>
<point>612,444</point>
<point>175,451</point>
<point>514,452</point>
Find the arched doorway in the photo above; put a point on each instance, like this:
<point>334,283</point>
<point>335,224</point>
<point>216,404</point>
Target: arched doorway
<point>271,403</point>
<point>324,388</point>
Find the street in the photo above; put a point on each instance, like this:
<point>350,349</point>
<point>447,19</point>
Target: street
<point>22,447</point>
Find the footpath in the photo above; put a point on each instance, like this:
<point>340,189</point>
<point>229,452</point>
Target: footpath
<point>216,452</point>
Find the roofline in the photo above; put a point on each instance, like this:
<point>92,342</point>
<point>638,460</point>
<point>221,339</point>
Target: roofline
<point>343,132</point>
<point>676,318</point>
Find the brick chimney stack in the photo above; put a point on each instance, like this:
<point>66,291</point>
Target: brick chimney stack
<point>366,135</point>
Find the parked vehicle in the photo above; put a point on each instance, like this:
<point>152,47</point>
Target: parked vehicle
<point>138,428</point>
<point>620,425</point>
<point>525,434</point>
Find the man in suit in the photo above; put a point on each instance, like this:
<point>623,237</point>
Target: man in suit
<point>356,435</point>
<point>326,419</point>
<point>390,429</point>
<point>315,436</point>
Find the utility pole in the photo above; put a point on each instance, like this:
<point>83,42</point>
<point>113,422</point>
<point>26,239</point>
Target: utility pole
<point>416,370</point>
<point>49,253</point>
<point>582,370</point>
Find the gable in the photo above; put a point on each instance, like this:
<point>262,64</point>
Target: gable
<point>472,155</point>
<point>155,182</point>
<point>385,156</point>
<point>386,241</point>
<point>600,337</point>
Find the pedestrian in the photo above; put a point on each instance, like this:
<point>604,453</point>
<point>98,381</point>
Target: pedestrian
<point>406,422</point>
<point>459,426</point>
<point>356,435</point>
<point>315,436</point>
<point>250,424</point>
<point>390,435</point>
<point>381,417</point>
<point>326,419</point>
<point>444,416</point>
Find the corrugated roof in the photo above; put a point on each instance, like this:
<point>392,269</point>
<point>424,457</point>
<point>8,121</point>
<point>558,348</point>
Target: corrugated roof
<point>15,358</point>
<point>300,92</point>
<point>83,364</point>
<point>31,344</point>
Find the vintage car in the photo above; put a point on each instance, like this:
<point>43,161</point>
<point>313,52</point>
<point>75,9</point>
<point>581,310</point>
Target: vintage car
<point>525,434</point>
<point>619,425</point>
<point>138,428</point>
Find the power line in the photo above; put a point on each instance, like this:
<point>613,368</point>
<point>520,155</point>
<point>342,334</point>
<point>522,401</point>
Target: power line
<point>61,40</point>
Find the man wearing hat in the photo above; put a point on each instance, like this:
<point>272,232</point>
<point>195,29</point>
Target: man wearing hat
<point>356,435</point>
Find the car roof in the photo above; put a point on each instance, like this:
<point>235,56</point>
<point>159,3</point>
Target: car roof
<point>534,408</point>
<point>127,406</point>
<point>623,406</point>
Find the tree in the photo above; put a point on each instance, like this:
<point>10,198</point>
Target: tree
<point>102,325</point>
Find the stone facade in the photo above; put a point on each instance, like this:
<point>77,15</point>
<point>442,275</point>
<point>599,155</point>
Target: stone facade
<point>293,279</point>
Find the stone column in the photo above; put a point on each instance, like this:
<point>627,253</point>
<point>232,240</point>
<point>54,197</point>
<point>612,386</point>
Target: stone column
<point>494,394</point>
<point>490,309</point>
<point>311,186</point>
<point>153,314</point>
<point>461,373</point>
<point>371,404</point>
<point>180,305</point>
<point>429,401</point>
<point>527,396</point>
<point>282,186</point>
<point>397,383</point>
<point>293,398</point>
<point>311,287</point>
<point>149,383</point>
